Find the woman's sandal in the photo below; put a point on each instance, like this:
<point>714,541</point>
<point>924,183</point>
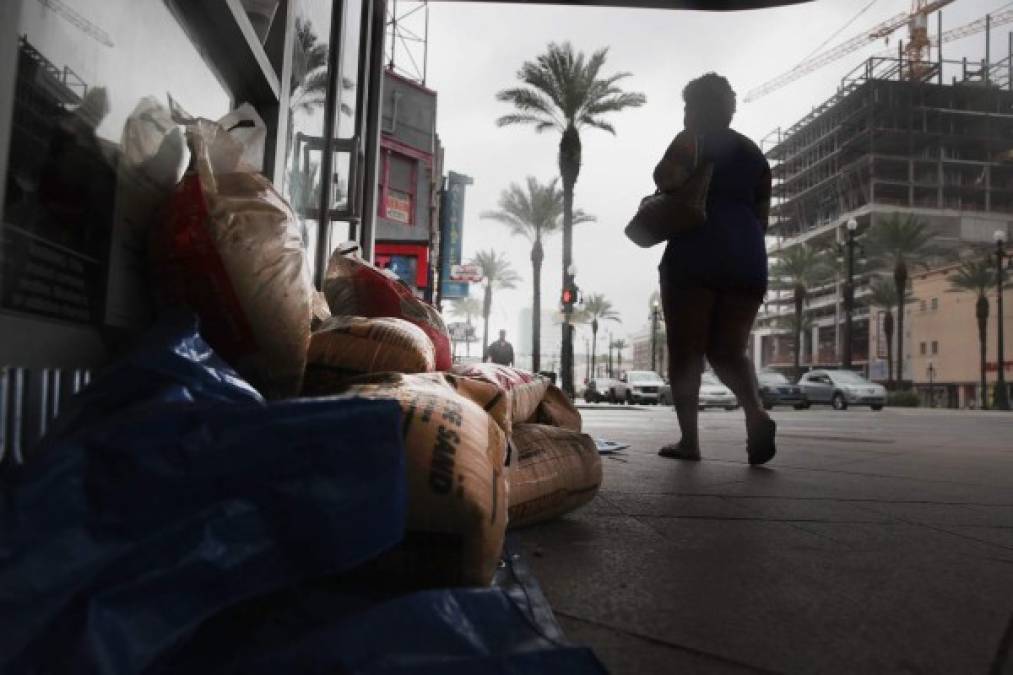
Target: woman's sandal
<point>679,451</point>
<point>760,442</point>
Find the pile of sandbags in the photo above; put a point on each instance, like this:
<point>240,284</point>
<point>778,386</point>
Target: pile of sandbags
<point>456,445</point>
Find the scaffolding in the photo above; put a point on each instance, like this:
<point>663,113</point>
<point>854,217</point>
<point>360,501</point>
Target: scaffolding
<point>895,136</point>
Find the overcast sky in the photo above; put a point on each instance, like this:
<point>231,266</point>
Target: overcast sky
<point>475,49</point>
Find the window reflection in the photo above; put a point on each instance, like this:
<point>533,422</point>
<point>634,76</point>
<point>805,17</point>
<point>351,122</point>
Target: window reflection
<point>83,67</point>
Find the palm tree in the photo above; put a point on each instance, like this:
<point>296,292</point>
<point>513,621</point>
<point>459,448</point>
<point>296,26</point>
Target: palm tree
<point>466,307</point>
<point>498,275</point>
<point>894,243</point>
<point>562,90</point>
<point>598,307</point>
<point>799,269</point>
<point>883,294</point>
<point>308,83</point>
<point>620,345</point>
<point>534,212</point>
<point>976,276</point>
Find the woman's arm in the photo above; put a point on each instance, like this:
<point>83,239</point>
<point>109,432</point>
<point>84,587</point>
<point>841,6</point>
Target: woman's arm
<point>677,165</point>
<point>761,207</point>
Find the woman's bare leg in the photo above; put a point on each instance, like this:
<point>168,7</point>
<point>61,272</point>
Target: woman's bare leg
<point>734,314</point>
<point>687,324</point>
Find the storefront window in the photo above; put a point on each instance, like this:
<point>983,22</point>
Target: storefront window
<point>71,225</point>
<point>308,95</point>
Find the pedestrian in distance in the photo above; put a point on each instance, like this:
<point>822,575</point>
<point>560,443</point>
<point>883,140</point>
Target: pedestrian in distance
<point>714,277</point>
<point>501,351</point>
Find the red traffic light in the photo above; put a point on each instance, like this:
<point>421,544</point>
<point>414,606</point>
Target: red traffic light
<point>569,296</point>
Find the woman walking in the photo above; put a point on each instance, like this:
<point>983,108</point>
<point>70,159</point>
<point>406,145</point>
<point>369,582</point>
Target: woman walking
<point>713,278</point>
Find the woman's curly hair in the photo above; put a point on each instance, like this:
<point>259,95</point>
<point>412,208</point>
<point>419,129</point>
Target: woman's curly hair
<point>711,98</point>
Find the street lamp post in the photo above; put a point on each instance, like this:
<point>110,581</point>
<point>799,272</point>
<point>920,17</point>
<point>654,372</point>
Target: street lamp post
<point>654,337</point>
<point>611,344</point>
<point>932,385</point>
<point>849,292</point>
<point>1001,396</point>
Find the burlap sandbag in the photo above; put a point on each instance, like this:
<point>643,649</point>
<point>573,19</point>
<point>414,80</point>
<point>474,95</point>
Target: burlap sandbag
<point>231,250</point>
<point>457,490</point>
<point>553,472</point>
<point>557,410</point>
<point>355,287</point>
<point>345,345</point>
<point>526,390</point>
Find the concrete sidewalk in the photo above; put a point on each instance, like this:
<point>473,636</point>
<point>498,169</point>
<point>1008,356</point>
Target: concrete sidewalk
<point>874,542</point>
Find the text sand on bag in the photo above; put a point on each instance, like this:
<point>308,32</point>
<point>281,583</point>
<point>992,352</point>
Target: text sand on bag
<point>457,488</point>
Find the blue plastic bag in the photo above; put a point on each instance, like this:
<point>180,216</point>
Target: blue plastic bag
<point>171,491</point>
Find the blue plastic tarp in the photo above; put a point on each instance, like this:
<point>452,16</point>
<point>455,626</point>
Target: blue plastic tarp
<point>172,491</point>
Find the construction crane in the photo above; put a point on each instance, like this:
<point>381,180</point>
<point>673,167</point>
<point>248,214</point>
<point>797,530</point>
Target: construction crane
<point>916,50</point>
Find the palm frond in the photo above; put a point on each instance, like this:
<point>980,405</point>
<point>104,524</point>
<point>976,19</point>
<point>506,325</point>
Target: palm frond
<point>540,122</point>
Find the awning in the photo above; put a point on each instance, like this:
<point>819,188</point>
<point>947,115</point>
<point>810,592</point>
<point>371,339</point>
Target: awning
<point>700,5</point>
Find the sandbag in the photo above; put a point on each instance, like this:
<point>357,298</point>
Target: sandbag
<point>231,250</point>
<point>456,455</point>
<point>526,390</point>
<point>554,471</point>
<point>346,345</point>
<point>354,287</point>
<point>557,410</point>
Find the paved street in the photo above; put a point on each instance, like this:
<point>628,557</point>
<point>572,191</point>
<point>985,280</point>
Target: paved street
<point>874,542</point>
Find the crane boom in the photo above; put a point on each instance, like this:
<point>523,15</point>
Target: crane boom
<point>826,57</point>
<point>915,19</point>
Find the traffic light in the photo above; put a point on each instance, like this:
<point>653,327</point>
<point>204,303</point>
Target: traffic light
<point>571,296</point>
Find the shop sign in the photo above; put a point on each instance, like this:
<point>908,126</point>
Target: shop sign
<point>399,208</point>
<point>451,240</point>
<point>467,272</point>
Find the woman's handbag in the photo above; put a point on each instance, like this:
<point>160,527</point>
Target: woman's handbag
<point>665,215</point>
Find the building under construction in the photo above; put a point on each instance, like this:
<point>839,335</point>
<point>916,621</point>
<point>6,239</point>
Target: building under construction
<point>932,139</point>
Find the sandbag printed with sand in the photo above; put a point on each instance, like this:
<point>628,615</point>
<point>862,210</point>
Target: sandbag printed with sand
<point>352,345</point>
<point>457,486</point>
<point>526,390</point>
<point>354,287</point>
<point>231,250</point>
<point>554,471</point>
<point>557,410</point>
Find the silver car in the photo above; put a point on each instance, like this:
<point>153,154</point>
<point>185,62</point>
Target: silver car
<point>713,394</point>
<point>841,388</point>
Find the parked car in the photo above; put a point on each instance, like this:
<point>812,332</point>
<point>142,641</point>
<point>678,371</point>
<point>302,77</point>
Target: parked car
<point>777,389</point>
<point>841,388</point>
<point>713,394</point>
<point>638,386</point>
<point>599,389</point>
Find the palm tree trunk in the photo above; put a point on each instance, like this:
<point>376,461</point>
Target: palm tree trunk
<point>888,331</point>
<point>594,344</point>
<point>569,168</point>
<point>486,310</point>
<point>900,282</point>
<point>537,256</point>
<point>981,313</point>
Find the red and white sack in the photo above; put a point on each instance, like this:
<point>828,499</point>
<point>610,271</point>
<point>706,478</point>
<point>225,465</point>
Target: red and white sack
<point>525,390</point>
<point>231,250</point>
<point>355,287</point>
